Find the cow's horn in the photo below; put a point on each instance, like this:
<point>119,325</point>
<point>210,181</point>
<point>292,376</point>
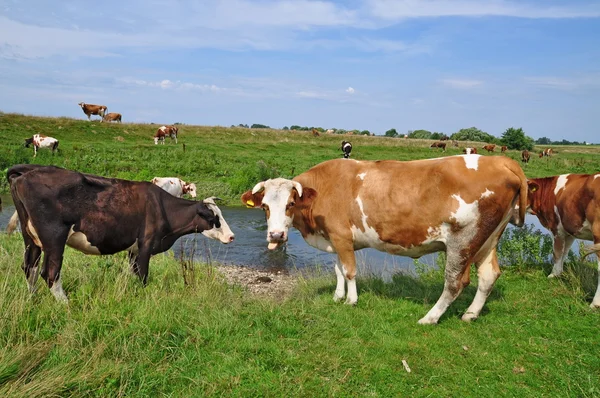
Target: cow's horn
<point>298,187</point>
<point>258,187</point>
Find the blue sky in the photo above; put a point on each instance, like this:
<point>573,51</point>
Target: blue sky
<point>439,65</point>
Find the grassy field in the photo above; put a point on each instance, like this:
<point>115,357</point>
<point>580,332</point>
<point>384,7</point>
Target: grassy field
<point>224,161</point>
<point>536,337</point>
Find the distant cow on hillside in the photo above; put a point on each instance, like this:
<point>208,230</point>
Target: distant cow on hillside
<point>315,133</point>
<point>470,151</point>
<point>41,141</point>
<point>489,147</point>
<point>90,109</point>
<point>112,117</point>
<point>546,152</point>
<point>525,156</point>
<point>164,132</point>
<point>347,149</point>
<point>504,148</point>
<point>439,145</point>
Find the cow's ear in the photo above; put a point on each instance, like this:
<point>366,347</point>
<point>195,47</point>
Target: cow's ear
<point>308,195</point>
<point>533,186</point>
<point>252,200</point>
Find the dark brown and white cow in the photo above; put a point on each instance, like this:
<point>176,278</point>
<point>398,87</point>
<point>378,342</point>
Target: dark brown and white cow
<point>346,149</point>
<point>546,152</point>
<point>164,132</point>
<point>96,215</point>
<point>503,149</point>
<point>489,147</point>
<point>112,117</point>
<point>525,156</point>
<point>470,151</point>
<point>458,204</point>
<point>90,109</point>
<point>568,205</point>
<point>439,145</point>
<point>41,141</point>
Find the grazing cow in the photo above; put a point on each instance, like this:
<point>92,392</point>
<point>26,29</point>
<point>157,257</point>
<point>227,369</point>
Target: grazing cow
<point>164,132</point>
<point>503,149</point>
<point>90,110</point>
<point>41,141</point>
<point>470,151</point>
<point>546,152</point>
<point>330,131</point>
<point>112,117</point>
<point>457,204</point>
<point>489,147</point>
<point>568,206</point>
<point>96,215</point>
<point>439,145</point>
<point>525,156</point>
<point>315,133</point>
<point>175,186</point>
<point>346,148</point>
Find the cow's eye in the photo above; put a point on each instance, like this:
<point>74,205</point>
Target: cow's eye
<point>264,206</point>
<point>291,204</point>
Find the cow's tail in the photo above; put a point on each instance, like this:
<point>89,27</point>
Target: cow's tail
<point>587,250</point>
<point>515,168</point>
<point>12,223</point>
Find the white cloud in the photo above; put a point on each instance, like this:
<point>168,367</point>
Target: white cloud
<point>350,90</point>
<point>403,9</point>
<point>464,84</point>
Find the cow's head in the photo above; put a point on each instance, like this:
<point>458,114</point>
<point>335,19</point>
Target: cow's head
<point>222,232</point>
<point>28,141</point>
<point>81,104</point>
<point>279,198</point>
<point>189,188</point>
<point>534,197</point>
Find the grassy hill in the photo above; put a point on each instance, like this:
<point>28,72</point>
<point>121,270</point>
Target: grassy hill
<point>223,161</point>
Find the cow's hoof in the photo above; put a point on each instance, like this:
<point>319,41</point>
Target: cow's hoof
<point>426,321</point>
<point>469,316</point>
<point>350,302</point>
<point>553,276</point>
<point>337,297</point>
<point>595,305</point>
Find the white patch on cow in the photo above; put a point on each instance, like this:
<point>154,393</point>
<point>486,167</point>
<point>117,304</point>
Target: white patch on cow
<point>466,213</point>
<point>352,297</point>
<point>58,292</point>
<point>585,232</point>
<point>33,234</point>
<point>486,194</point>
<point>561,182</point>
<point>163,128</point>
<point>340,291</point>
<point>318,241</point>
<point>367,238</point>
<point>362,176</point>
<point>596,176</point>
<point>277,192</point>
<point>78,241</point>
<point>223,233</point>
<point>471,161</point>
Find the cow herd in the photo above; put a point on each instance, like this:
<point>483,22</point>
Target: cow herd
<point>459,205</point>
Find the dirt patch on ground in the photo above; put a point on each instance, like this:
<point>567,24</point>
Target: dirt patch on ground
<point>277,285</point>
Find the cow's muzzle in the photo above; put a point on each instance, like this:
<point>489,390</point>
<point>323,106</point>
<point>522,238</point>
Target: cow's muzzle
<point>276,239</point>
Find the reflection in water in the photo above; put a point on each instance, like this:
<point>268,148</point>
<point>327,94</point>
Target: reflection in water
<point>250,247</point>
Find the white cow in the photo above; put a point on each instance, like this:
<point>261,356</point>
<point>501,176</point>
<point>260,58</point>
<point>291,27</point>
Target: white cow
<point>41,141</point>
<point>175,186</point>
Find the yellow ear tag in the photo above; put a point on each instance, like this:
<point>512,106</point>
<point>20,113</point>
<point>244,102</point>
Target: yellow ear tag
<point>249,203</point>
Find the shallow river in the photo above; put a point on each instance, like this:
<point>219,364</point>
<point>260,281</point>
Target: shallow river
<point>250,247</point>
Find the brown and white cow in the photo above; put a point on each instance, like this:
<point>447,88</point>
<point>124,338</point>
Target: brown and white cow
<point>90,109</point>
<point>175,186</point>
<point>96,215</point>
<point>439,145</point>
<point>315,133</point>
<point>546,152</point>
<point>568,205</point>
<point>525,156</point>
<point>470,151</point>
<point>503,149</point>
<point>164,132</point>
<point>489,147</point>
<point>457,204</point>
<point>112,117</point>
<point>41,141</point>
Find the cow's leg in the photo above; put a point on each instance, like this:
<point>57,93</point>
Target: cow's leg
<point>562,244</point>
<point>347,262</point>
<point>453,285</point>
<point>31,262</point>
<point>133,262</point>
<point>596,300</point>
<point>340,288</point>
<point>488,271</point>
<point>54,239</point>
<point>143,260</point>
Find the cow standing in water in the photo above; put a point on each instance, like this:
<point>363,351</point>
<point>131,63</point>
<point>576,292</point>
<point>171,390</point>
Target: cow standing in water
<point>96,215</point>
<point>458,204</point>
<point>568,206</point>
<point>41,141</point>
<point>346,149</point>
